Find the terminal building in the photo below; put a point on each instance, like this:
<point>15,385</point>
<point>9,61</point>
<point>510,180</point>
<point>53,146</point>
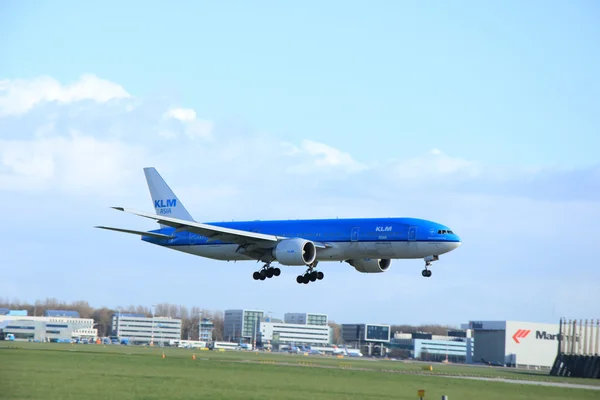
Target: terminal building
<point>52,327</point>
<point>360,334</point>
<point>455,347</point>
<point>514,343</point>
<point>278,334</point>
<point>241,325</point>
<point>305,319</point>
<point>139,329</point>
<point>367,336</point>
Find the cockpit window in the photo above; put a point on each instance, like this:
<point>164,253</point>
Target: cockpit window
<point>444,231</point>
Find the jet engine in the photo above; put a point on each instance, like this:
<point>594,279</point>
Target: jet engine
<point>370,265</point>
<point>295,252</point>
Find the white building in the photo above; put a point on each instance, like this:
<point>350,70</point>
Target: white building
<point>515,343</point>
<point>305,318</point>
<point>139,329</point>
<point>298,334</point>
<point>48,328</point>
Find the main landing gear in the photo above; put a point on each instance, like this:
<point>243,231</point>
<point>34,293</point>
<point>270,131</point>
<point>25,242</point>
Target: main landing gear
<point>266,272</point>
<point>310,275</point>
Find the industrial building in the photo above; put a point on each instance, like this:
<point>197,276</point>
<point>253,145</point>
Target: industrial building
<point>139,329</point>
<point>51,327</point>
<point>515,343</point>
<point>241,325</point>
<point>305,319</point>
<point>297,334</point>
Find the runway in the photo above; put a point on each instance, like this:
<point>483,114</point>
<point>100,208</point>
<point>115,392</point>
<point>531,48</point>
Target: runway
<point>523,382</point>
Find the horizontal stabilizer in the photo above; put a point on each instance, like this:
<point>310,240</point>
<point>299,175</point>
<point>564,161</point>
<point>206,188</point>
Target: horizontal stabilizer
<point>207,230</point>
<point>141,233</point>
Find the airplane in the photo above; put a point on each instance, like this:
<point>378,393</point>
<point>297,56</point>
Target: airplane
<point>367,244</point>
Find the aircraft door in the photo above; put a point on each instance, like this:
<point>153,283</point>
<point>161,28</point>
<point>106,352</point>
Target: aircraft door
<point>354,235</point>
<point>412,233</point>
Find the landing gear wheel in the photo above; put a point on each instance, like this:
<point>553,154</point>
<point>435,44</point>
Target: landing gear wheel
<point>311,275</point>
<point>266,272</point>
<point>426,273</point>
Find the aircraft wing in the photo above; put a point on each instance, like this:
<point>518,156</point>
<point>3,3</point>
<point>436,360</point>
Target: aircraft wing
<point>213,232</point>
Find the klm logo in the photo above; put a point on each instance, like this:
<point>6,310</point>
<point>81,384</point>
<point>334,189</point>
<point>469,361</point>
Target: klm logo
<point>163,207</point>
<point>383,229</point>
<point>163,203</point>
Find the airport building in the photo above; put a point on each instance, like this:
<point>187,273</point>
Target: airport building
<point>514,343</point>
<point>205,329</point>
<point>278,334</point>
<point>305,319</point>
<point>139,329</point>
<point>456,347</point>
<point>241,325</point>
<point>46,328</point>
<point>359,334</point>
<point>6,311</point>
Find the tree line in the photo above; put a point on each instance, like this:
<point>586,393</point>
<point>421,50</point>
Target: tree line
<point>190,317</point>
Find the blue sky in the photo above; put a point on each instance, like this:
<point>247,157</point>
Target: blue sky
<point>482,116</point>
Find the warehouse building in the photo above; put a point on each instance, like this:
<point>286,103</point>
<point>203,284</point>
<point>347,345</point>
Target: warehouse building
<point>305,318</point>
<point>515,343</point>
<point>139,329</point>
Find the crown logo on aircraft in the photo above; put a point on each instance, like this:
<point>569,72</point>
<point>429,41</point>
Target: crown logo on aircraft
<point>520,334</point>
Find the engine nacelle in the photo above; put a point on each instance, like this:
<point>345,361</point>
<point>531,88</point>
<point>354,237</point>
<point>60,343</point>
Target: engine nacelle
<point>370,265</point>
<point>295,252</point>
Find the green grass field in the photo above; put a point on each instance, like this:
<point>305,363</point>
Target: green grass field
<point>65,371</point>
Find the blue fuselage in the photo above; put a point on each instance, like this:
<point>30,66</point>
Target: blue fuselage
<point>346,238</point>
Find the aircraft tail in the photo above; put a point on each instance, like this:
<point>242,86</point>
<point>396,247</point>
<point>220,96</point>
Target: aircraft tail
<point>164,200</point>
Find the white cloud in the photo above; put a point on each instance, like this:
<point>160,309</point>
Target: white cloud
<point>435,165</point>
<point>19,96</point>
<point>193,128</point>
<point>322,157</point>
<point>74,162</point>
<point>181,114</point>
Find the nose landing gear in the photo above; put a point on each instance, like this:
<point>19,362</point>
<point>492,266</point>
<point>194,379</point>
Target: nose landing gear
<point>428,260</point>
